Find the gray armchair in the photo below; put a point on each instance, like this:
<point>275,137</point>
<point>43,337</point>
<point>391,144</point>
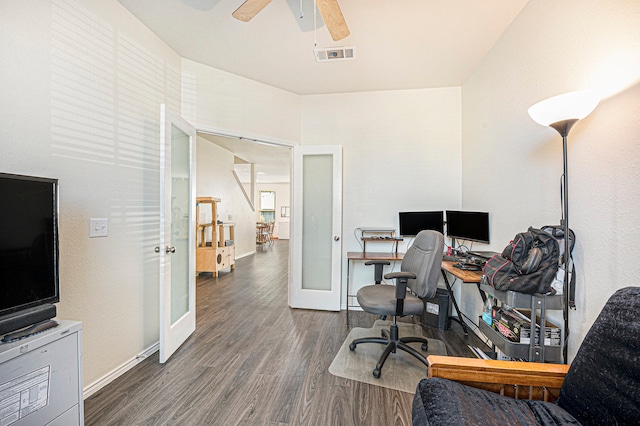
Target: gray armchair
<point>601,386</point>
<point>420,271</point>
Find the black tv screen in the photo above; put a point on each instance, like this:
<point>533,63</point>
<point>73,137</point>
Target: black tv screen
<point>28,242</point>
<point>473,226</point>
<point>411,223</point>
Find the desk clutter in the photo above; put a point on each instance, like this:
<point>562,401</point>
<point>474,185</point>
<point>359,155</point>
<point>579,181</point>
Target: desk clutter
<point>468,262</point>
<point>515,325</point>
<point>379,235</point>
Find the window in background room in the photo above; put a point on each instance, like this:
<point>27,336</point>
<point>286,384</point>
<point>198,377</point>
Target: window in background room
<point>267,206</point>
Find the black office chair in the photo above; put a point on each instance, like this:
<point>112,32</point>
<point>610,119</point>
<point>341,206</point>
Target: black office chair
<point>420,271</point>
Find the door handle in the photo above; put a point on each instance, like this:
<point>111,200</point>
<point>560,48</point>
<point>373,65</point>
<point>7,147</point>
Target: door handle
<point>336,238</point>
<point>170,249</point>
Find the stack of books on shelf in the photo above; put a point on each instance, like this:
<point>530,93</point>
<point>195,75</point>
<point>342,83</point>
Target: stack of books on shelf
<point>515,325</point>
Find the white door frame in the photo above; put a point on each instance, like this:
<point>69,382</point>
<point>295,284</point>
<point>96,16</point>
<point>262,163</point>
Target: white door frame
<point>300,297</point>
<point>173,334</point>
<point>296,233</point>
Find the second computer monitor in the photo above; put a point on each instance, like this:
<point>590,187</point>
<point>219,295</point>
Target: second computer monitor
<point>473,226</point>
<point>411,223</point>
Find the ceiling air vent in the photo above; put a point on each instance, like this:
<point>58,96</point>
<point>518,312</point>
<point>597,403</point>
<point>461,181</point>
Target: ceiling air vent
<point>335,54</point>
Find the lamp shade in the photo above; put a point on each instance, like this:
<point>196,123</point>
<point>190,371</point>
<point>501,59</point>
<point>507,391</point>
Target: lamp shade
<point>569,106</point>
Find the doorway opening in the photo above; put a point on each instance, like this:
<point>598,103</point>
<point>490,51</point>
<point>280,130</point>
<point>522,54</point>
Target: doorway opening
<point>237,169</point>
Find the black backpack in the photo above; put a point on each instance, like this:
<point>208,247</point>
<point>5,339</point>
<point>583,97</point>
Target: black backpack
<point>558,233</point>
<point>528,264</point>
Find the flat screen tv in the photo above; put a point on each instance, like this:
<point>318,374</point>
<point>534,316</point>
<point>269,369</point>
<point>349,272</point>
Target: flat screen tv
<point>29,256</point>
<point>472,226</point>
<point>411,223</point>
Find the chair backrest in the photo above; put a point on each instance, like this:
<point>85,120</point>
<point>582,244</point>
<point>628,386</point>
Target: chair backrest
<point>602,386</point>
<point>424,258</point>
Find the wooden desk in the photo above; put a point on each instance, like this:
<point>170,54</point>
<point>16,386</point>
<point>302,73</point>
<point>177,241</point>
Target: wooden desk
<point>370,255</point>
<point>366,256</point>
<point>468,277</point>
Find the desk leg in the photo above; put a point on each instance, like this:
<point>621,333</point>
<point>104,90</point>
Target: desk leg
<point>348,289</point>
<point>482,295</point>
<point>455,304</point>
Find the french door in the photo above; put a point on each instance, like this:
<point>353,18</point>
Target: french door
<point>177,232</point>
<point>316,249</point>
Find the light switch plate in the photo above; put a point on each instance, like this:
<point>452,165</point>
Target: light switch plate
<point>98,227</point>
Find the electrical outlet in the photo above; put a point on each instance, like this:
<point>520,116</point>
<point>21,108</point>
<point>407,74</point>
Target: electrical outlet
<point>98,227</point>
<point>230,217</point>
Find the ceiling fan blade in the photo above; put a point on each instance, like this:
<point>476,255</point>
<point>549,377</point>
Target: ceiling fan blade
<point>249,9</point>
<point>333,18</point>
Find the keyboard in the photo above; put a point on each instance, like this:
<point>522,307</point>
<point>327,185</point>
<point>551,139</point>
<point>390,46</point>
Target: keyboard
<point>453,258</point>
<point>468,266</point>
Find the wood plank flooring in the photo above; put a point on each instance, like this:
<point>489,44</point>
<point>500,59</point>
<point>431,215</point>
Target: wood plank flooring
<point>254,361</point>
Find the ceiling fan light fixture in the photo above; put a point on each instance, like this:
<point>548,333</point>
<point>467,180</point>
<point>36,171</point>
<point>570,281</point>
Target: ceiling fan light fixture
<point>335,53</point>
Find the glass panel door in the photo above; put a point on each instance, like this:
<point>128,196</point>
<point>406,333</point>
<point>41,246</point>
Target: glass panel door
<point>316,248</point>
<point>177,233</point>
<point>317,231</point>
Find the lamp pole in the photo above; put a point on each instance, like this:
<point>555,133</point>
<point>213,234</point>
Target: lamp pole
<point>561,113</point>
<point>563,127</point>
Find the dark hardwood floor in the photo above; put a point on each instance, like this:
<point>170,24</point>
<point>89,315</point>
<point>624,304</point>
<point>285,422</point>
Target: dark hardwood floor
<point>254,361</point>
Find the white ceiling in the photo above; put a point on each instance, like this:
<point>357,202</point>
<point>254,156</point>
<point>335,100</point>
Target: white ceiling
<point>400,44</point>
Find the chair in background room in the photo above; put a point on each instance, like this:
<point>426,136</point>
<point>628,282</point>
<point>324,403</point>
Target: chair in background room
<point>270,227</point>
<point>417,279</point>
<point>262,233</point>
<point>600,387</point>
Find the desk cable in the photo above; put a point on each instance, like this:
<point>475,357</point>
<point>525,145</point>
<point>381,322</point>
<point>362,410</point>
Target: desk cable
<point>358,240</point>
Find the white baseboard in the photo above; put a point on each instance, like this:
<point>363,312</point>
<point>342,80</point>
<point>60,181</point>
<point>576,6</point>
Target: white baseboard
<point>119,371</point>
<point>240,256</point>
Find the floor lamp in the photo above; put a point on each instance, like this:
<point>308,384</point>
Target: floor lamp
<point>561,113</point>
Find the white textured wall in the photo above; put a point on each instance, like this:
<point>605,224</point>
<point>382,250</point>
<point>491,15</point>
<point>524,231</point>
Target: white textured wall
<point>214,170</point>
<point>401,152</point>
<point>512,166</point>
<point>218,100</point>
<point>82,83</point>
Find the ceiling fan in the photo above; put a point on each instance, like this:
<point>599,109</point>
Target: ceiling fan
<point>329,9</point>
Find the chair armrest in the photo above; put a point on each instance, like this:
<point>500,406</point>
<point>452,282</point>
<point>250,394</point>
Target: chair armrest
<point>393,275</point>
<point>401,288</point>
<point>519,379</point>
<point>377,262</point>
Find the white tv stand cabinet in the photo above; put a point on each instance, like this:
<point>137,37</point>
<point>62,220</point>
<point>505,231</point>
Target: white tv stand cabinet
<point>41,378</point>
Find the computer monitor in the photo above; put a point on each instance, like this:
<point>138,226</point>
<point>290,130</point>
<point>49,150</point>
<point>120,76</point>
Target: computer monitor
<point>411,223</point>
<point>473,226</point>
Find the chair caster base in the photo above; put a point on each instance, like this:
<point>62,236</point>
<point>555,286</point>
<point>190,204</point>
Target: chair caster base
<point>376,373</point>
